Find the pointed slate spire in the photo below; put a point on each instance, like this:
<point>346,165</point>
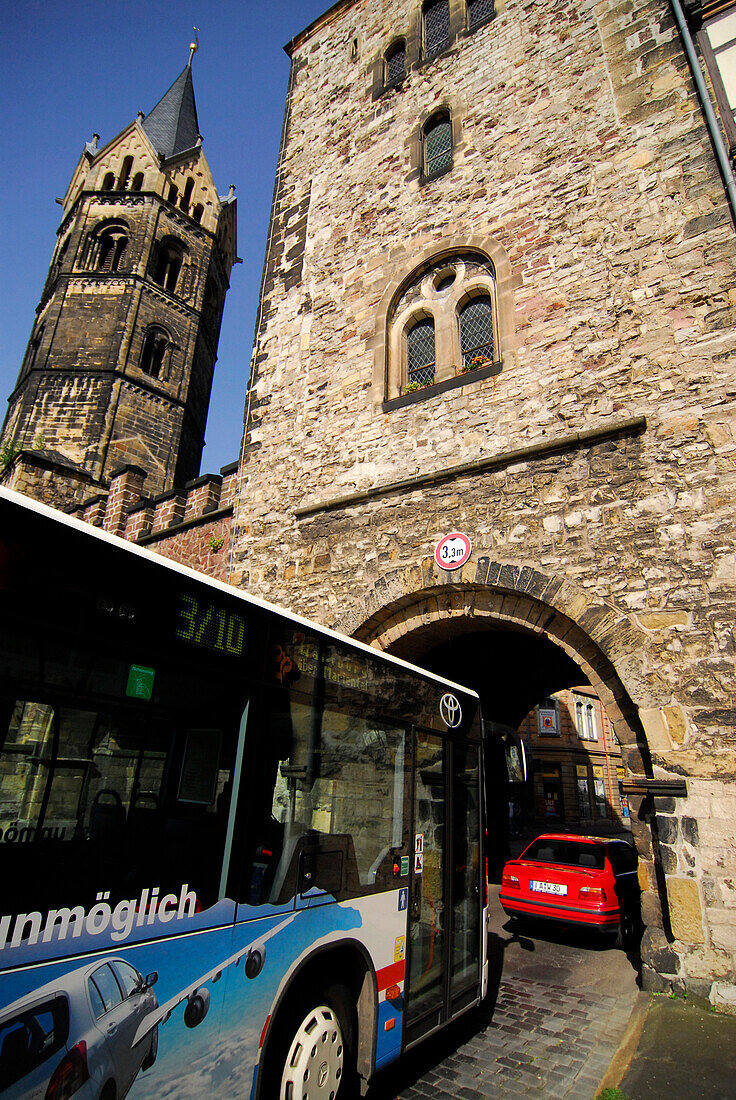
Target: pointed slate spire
<point>172,124</point>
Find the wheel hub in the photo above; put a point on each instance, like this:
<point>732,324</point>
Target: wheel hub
<point>314,1064</point>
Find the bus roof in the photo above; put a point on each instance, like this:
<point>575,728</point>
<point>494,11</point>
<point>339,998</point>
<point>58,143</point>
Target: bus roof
<point>166,563</point>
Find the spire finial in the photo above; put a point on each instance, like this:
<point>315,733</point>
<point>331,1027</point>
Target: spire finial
<point>193,46</point>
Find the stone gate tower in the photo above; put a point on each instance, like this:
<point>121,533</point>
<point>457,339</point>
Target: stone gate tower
<point>499,299</point>
<point>119,365</point>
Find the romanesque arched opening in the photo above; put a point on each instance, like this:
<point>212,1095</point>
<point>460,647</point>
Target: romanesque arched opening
<point>514,650</point>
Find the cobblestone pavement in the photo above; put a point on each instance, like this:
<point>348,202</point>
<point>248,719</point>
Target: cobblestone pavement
<point>549,1030</point>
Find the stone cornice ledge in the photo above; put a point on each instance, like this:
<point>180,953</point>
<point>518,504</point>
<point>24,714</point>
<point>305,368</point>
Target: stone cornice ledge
<point>613,430</point>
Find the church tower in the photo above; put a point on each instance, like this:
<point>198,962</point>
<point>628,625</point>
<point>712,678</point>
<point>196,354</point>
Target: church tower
<point>119,365</point>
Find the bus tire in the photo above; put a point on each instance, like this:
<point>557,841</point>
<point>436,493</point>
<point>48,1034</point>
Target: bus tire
<point>318,1062</point>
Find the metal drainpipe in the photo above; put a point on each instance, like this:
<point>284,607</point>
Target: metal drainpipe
<point>711,121</point>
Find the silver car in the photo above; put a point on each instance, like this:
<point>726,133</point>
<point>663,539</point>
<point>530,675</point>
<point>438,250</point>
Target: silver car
<point>75,1036</point>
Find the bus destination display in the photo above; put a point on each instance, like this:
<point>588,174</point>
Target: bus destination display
<point>213,627</point>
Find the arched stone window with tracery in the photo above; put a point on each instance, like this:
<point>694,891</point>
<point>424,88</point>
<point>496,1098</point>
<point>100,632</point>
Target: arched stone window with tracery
<point>106,247</point>
<point>443,325</point>
<point>167,259</point>
<point>155,353</point>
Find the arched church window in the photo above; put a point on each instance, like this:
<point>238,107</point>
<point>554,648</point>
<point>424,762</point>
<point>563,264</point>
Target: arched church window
<point>137,184</point>
<point>125,171</point>
<point>156,343</point>
<point>173,193</point>
<point>108,182</point>
<point>476,332</point>
<point>395,63</point>
<point>106,247</point>
<point>479,12</point>
<point>437,144</point>
<point>435,27</point>
<point>420,353</point>
<point>166,261</point>
<point>197,212</point>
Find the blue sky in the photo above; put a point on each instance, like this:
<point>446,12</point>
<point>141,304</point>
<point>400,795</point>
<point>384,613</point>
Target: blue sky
<point>74,67</point>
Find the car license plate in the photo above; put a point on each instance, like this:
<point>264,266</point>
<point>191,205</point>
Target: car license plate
<point>548,887</point>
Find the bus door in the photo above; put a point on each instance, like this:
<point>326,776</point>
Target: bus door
<point>444,950</point>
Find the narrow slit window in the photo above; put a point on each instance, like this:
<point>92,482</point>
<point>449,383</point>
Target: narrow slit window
<point>187,195</point>
<point>420,353</point>
<point>476,332</point>
<point>125,174</point>
<point>437,145</point>
<point>436,19</point>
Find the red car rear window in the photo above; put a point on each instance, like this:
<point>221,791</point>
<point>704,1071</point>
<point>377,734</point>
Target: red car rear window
<point>567,852</point>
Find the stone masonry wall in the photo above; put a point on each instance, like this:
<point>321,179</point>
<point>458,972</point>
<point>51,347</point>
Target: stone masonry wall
<point>604,446</point>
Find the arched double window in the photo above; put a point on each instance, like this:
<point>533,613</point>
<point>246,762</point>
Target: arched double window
<point>106,247</point>
<point>437,144</point>
<point>156,344</point>
<point>166,262</point>
<point>442,327</point>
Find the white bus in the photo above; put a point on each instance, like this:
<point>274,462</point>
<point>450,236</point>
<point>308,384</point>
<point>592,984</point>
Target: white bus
<point>241,855</point>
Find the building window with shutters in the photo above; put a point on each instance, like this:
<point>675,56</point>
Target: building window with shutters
<point>437,145</point>
<point>585,718</point>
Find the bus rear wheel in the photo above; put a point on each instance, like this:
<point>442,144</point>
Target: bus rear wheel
<point>318,1059</point>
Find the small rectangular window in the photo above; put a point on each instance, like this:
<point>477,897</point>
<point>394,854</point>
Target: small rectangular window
<point>479,12</point>
<point>436,27</point>
<point>437,147</point>
<point>395,64</point>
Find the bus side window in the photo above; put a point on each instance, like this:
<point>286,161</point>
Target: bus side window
<point>331,817</point>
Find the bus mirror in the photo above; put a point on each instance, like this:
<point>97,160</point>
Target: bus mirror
<point>255,960</point>
<point>198,1005</point>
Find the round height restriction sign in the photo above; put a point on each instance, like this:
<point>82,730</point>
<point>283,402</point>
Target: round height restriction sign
<point>453,550</point>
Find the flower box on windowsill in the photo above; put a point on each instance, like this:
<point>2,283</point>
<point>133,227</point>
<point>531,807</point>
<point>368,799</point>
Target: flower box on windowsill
<point>434,389</point>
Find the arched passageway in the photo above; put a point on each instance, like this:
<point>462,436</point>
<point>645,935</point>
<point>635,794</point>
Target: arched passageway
<point>515,650</point>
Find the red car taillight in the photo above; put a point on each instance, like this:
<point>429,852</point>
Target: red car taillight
<point>592,893</point>
<point>70,1074</point>
<point>510,881</point>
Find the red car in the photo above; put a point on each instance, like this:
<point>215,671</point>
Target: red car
<point>586,881</point>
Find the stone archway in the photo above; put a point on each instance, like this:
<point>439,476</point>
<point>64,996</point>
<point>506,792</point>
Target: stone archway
<point>603,643</point>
